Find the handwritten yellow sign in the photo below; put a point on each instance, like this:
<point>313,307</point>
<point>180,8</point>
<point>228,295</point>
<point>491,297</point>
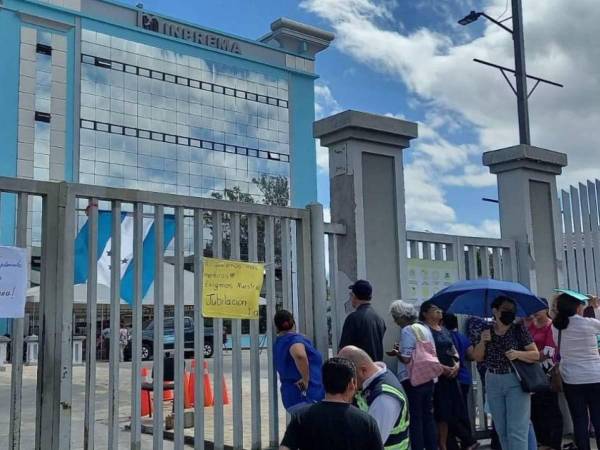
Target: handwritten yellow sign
<point>231,289</point>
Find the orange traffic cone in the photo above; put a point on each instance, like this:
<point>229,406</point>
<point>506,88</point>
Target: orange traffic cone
<point>188,397</point>
<point>190,389</point>
<point>168,395</point>
<point>208,393</point>
<point>146,401</point>
<point>225,394</point>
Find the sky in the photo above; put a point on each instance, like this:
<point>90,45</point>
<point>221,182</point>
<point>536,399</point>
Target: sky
<point>410,59</point>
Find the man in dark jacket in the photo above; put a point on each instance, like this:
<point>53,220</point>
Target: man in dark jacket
<point>363,328</point>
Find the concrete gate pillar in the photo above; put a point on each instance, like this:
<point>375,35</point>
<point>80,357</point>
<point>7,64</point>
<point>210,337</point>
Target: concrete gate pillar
<point>530,212</point>
<point>367,196</point>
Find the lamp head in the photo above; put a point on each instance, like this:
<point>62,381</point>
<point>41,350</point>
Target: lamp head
<point>470,18</point>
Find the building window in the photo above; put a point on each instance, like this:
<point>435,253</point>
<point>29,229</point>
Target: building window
<point>42,117</point>
<point>183,81</point>
<point>43,49</point>
<point>180,124</point>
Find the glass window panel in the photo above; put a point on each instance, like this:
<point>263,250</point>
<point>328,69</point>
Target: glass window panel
<point>41,160</point>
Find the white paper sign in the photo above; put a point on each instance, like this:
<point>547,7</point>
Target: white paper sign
<point>13,281</point>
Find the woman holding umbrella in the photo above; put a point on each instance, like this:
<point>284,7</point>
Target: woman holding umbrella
<point>504,342</point>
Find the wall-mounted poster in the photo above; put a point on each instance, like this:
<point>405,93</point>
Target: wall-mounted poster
<point>426,277</point>
<point>13,281</point>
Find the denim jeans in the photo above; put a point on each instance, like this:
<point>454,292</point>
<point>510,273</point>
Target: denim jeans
<point>584,405</point>
<point>422,428</point>
<point>511,409</point>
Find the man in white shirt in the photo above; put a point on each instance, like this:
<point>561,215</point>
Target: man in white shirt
<point>382,396</point>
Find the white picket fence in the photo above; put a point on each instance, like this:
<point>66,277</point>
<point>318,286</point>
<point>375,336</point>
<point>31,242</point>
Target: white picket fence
<point>581,236</point>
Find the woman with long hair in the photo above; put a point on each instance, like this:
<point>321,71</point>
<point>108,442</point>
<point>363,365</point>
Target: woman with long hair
<point>579,365</point>
<point>503,342</point>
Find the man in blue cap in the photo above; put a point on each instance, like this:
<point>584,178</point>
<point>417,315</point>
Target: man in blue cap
<point>363,328</point>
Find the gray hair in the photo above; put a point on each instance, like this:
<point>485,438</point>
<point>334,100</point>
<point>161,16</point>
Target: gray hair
<point>403,310</point>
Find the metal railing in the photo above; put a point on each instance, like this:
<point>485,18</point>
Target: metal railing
<point>581,236</point>
<point>475,257</point>
<point>278,236</point>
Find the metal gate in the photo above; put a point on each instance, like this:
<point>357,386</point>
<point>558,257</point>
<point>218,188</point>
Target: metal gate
<point>289,241</point>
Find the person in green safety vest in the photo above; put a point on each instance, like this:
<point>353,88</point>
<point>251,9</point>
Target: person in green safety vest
<point>382,396</point>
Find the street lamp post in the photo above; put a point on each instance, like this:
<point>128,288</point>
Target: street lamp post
<point>520,73</point>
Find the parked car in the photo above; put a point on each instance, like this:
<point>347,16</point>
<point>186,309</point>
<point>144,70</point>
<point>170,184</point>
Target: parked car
<point>169,338</point>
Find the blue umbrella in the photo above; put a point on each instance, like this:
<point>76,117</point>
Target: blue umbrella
<point>475,297</point>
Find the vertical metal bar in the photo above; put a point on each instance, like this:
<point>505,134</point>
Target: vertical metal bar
<point>587,236</point>
<point>54,378</point>
<point>333,289</point>
<point>459,257</point>
<point>472,260</point>
<point>593,198</point>
<point>414,249</point>
<point>427,250</point>
<point>236,332</point>
<point>317,240</point>
<point>305,300</point>
<point>198,332</point>
<point>17,340</point>
<point>115,326</point>
<point>179,330</point>
<point>90,363</point>
<point>438,251</point>
<point>219,420</point>
<point>578,238</point>
<point>286,265</point>
<point>136,340</point>
<point>450,252</point>
<point>484,255</point>
<point>159,312</point>
<point>497,261</point>
<point>255,418</point>
<point>271,307</point>
<point>570,240</point>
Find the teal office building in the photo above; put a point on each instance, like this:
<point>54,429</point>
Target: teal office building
<point>98,92</point>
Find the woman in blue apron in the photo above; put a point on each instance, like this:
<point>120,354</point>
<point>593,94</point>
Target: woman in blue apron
<point>298,364</point>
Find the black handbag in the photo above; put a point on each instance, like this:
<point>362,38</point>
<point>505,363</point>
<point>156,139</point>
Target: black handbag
<point>532,376</point>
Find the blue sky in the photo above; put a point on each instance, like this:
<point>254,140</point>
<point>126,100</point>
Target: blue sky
<point>410,59</point>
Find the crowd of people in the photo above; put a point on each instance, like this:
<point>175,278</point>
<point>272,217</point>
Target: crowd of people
<point>353,401</point>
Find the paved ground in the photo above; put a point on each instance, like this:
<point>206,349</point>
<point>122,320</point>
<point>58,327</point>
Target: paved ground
<point>101,431</point>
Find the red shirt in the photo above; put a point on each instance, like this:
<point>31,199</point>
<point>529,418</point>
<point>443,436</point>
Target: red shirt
<point>543,337</point>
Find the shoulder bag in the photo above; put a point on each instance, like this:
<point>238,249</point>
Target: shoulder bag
<point>556,383</point>
<point>424,365</point>
<point>532,376</point>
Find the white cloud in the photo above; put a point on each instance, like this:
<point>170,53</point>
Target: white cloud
<point>322,157</point>
<point>437,69</point>
<point>325,103</point>
<point>471,175</point>
<point>487,228</point>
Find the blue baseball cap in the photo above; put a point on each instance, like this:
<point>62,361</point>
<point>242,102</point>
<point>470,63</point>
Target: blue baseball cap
<point>362,289</point>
